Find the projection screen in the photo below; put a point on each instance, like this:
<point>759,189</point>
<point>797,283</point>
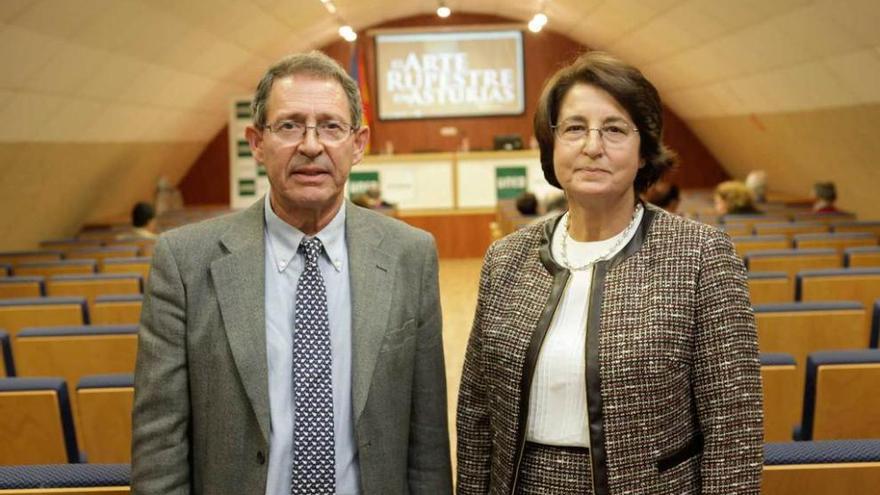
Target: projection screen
<point>449,74</point>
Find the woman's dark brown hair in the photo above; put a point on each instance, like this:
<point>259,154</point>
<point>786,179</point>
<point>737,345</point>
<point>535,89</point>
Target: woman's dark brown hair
<point>630,88</point>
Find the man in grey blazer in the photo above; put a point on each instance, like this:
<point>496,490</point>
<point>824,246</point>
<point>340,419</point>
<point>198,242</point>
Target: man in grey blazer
<point>219,376</point>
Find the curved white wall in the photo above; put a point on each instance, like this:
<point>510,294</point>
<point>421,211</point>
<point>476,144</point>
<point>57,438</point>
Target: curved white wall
<point>97,99</point>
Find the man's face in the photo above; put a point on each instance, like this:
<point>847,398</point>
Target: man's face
<point>308,175</point>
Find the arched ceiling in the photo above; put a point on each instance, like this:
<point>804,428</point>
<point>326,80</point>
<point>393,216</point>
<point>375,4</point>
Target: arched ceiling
<point>99,86</point>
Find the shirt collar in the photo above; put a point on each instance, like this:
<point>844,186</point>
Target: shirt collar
<point>284,239</point>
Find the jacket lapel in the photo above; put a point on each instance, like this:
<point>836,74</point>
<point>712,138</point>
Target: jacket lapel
<point>372,278</point>
<point>239,280</point>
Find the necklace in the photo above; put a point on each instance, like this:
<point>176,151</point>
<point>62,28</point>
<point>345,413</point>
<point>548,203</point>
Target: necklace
<point>613,249</point>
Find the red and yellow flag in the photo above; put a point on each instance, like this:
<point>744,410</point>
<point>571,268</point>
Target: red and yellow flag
<point>358,71</point>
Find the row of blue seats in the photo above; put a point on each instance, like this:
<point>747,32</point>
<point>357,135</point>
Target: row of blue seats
<point>89,264</point>
<point>63,406</point>
<point>810,455</point>
<point>815,362</point>
<point>40,280</point>
<point>807,274</point>
<point>827,306</point>
<point>803,238</point>
<point>848,253</point>
<point>69,300</point>
<point>874,336</point>
<point>785,215</point>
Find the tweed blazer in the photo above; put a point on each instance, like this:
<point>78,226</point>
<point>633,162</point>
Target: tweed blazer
<point>673,376</point>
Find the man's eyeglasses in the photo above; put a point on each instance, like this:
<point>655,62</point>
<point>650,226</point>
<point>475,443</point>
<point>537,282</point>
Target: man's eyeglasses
<point>328,132</point>
<point>613,133</point>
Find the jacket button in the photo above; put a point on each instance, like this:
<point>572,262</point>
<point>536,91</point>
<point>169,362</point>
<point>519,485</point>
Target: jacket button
<point>261,458</point>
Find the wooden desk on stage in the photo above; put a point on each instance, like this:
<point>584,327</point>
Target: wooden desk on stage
<point>451,195</point>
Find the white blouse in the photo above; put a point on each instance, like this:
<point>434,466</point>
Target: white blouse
<point>558,400</point>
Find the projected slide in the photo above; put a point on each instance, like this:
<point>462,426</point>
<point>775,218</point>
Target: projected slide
<point>449,74</point>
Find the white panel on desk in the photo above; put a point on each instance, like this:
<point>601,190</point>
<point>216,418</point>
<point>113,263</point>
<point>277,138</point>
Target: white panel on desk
<point>422,185</point>
<point>476,180</point>
<point>476,184</point>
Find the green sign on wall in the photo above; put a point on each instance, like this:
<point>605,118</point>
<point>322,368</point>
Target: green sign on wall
<point>243,149</point>
<point>359,182</point>
<point>247,187</point>
<point>510,182</point>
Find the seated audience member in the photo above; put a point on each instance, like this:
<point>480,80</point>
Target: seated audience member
<point>663,194</point>
<point>361,200</point>
<point>527,204</point>
<point>670,201</point>
<point>756,182</point>
<point>143,222</point>
<point>825,194</point>
<point>732,197</point>
<point>168,197</point>
<point>374,198</point>
<point>555,203</point>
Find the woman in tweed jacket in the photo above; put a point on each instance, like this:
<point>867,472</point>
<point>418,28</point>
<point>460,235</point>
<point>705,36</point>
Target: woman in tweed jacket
<point>614,348</point>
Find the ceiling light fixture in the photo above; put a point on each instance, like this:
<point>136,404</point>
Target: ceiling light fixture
<point>443,11</point>
<point>540,19</point>
<point>329,5</point>
<point>347,33</point>
<point>538,22</point>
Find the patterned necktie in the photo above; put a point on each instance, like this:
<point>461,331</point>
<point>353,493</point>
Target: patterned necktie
<point>314,460</point>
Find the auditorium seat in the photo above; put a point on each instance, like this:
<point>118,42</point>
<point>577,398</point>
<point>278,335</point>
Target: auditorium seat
<point>18,257</point>
<point>16,314</point>
<point>93,285</point>
<point>789,229</point>
<point>509,218</point>
<point>117,309</point>
<point>139,265</point>
<point>749,221</point>
<point>66,245</point>
<point>66,479</point>
<point>104,233</point>
<point>5,270</point>
<point>870,226</point>
<point>737,229</point>
<point>7,365</point>
<point>829,467</point>
<point>75,352</point>
<point>850,284</point>
<point>37,424</point>
<point>144,247</point>
<point>829,218</point>
<point>12,287</point>
<point>841,395</point>
<point>801,328</point>
<point>105,404</point>
<point>861,257</point>
<point>838,242</point>
<point>50,268</point>
<point>782,398</point>
<point>100,254</point>
<point>747,244</point>
<point>770,287</point>
<point>791,261</point>
<point>875,325</point>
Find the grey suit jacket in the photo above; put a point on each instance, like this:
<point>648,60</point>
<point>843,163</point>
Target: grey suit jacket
<point>201,409</point>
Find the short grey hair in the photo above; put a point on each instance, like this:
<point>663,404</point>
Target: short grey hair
<point>315,64</point>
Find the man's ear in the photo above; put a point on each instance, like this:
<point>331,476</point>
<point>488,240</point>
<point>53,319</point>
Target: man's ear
<point>255,140</point>
<point>361,139</point>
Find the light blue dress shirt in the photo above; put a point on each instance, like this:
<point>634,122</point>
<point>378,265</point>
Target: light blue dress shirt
<point>283,268</point>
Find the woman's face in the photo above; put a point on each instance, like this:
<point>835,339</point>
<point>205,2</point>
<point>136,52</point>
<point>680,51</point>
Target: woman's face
<point>593,167</point>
